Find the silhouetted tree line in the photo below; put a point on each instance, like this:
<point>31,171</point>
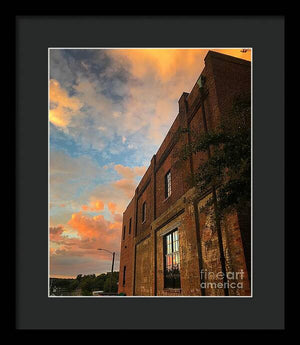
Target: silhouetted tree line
<point>84,285</point>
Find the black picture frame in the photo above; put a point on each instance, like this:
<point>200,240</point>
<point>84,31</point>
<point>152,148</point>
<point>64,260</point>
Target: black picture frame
<point>265,34</point>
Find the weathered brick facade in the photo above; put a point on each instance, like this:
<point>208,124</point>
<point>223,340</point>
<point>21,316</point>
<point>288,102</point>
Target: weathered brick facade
<point>142,250</point>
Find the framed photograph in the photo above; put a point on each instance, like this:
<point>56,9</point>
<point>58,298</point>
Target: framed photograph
<point>129,149</point>
<point>148,159</point>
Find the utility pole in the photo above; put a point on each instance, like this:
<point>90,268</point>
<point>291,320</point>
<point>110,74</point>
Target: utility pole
<point>112,270</point>
<point>112,266</point>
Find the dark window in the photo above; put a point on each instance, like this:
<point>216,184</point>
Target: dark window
<point>168,189</point>
<point>124,230</point>
<point>172,260</point>
<point>144,211</point>
<point>130,221</point>
<point>124,275</point>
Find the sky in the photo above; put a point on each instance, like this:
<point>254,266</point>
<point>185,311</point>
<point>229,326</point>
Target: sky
<point>109,111</point>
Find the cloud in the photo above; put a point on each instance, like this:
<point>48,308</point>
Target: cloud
<point>158,78</point>
<point>118,218</point>
<point>91,94</point>
<point>128,184</point>
<point>96,205</point>
<point>236,53</point>
<point>55,233</point>
<point>91,227</point>
<point>130,173</point>
<point>108,193</point>
<point>72,265</point>
<point>62,107</point>
<point>164,63</point>
<point>112,207</point>
<point>137,87</point>
<point>93,232</point>
<point>78,104</point>
<point>71,176</point>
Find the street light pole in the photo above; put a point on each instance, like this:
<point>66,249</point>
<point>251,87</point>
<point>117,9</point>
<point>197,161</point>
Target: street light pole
<point>112,266</point>
<point>112,270</point>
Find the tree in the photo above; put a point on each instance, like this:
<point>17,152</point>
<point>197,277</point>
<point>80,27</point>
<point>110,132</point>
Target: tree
<point>86,283</point>
<point>114,286</point>
<point>228,164</point>
<point>74,285</point>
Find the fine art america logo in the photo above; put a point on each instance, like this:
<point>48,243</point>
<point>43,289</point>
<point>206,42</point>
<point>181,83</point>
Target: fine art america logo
<point>216,279</point>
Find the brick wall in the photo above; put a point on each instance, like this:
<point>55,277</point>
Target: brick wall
<point>144,268</point>
<point>127,251</point>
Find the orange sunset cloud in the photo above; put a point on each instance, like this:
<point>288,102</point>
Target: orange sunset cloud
<point>112,207</point>
<point>127,185</point>
<point>93,232</point>
<point>96,205</point>
<point>63,107</point>
<point>89,227</point>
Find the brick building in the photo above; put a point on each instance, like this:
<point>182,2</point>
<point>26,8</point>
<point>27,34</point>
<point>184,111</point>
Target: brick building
<point>169,247</point>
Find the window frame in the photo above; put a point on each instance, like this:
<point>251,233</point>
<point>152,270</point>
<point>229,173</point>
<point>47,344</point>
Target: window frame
<point>130,225</point>
<point>124,232</point>
<point>171,282</point>
<point>168,184</point>
<point>124,276</point>
<point>144,212</point>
